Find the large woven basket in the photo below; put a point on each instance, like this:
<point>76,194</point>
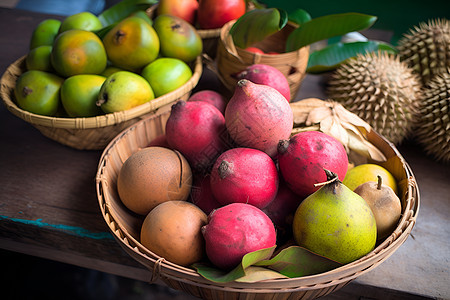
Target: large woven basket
<point>230,59</point>
<point>125,227</point>
<point>92,133</point>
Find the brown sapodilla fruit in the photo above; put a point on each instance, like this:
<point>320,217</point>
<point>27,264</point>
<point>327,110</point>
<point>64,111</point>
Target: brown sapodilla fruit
<point>258,116</point>
<point>151,176</point>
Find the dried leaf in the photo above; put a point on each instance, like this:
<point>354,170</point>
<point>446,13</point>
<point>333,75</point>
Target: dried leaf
<point>349,117</point>
<point>332,126</point>
<point>256,274</point>
<point>302,108</point>
<point>318,114</point>
<point>364,147</point>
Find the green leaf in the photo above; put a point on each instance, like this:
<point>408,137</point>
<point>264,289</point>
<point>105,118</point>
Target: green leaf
<point>325,27</point>
<point>299,16</point>
<point>332,56</point>
<point>257,24</point>
<point>255,274</point>
<point>296,261</point>
<point>214,274</point>
<point>123,9</point>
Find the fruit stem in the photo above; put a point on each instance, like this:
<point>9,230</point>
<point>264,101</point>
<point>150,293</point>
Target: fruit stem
<point>380,182</point>
<point>331,177</point>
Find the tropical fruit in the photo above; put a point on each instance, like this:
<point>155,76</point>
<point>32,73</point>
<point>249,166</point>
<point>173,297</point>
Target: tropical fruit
<point>151,176</point>
<point>179,39</point>
<point>166,74</point>
<point>258,116</point>
<point>184,9</point>
<point>244,175</point>
<point>201,193</point>
<point>235,230</point>
<point>132,44</point>
<point>76,52</point>
<point>211,97</point>
<point>216,13</point>
<point>84,20</point>
<point>39,59</point>
<point>369,172</point>
<point>268,75</point>
<point>124,90</point>
<point>45,33</point>
<point>79,94</point>
<point>196,129</point>
<point>303,157</point>
<point>173,230</point>
<point>335,222</point>
<point>38,92</point>
<point>384,203</point>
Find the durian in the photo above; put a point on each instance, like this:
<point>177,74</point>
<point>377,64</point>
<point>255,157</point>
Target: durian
<point>379,89</point>
<point>433,129</point>
<point>426,48</point>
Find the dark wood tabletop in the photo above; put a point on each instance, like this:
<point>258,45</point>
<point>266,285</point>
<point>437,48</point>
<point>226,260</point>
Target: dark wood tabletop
<point>49,207</point>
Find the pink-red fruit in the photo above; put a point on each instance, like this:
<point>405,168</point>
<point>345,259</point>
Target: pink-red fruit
<point>196,129</point>
<point>244,175</point>
<point>258,116</point>
<point>268,75</point>
<point>211,97</point>
<point>303,157</point>
<point>201,194</point>
<point>235,230</point>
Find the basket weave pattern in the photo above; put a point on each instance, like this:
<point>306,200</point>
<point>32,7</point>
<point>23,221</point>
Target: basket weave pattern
<point>125,227</point>
<point>92,133</point>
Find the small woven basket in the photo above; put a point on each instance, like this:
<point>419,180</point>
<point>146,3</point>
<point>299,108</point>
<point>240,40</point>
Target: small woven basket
<point>125,227</point>
<point>92,133</point>
<point>230,59</point>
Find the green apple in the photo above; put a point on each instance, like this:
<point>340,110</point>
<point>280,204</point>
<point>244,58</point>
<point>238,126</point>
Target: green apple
<point>79,94</point>
<point>38,92</point>
<point>166,74</point>
<point>124,90</point>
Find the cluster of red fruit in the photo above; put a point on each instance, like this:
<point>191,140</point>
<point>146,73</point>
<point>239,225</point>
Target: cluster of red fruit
<point>207,14</point>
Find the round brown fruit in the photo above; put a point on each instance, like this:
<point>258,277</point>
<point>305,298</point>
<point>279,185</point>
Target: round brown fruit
<point>173,230</point>
<point>151,176</point>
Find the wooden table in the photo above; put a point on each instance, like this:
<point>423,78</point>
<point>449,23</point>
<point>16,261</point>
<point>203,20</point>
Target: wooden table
<point>49,208</point>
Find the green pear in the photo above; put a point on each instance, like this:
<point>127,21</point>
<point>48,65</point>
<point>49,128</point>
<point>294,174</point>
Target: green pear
<point>83,20</point>
<point>38,92</point>
<point>45,33</point>
<point>124,90</point>
<point>79,94</point>
<point>335,222</point>
<point>39,59</point>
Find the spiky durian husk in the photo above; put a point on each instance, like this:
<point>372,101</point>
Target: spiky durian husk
<point>426,48</point>
<point>381,90</point>
<point>433,126</point>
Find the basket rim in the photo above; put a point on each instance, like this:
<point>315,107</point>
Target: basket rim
<point>103,120</point>
<point>341,274</point>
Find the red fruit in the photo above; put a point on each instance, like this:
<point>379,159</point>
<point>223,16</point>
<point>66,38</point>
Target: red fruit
<point>244,175</point>
<point>160,141</point>
<point>254,50</point>
<point>258,116</point>
<point>213,14</point>
<point>235,230</point>
<point>303,157</point>
<point>268,75</point>
<point>184,9</point>
<point>201,194</point>
<point>196,129</point>
<point>211,97</point>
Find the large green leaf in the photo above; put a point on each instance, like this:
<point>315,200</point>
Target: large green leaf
<point>257,24</point>
<point>296,261</point>
<point>332,56</point>
<point>299,16</point>
<point>123,9</point>
<point>325,27</point>
<point>217,275</point>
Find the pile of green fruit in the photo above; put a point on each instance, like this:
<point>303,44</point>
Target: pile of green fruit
<point>78,67</point>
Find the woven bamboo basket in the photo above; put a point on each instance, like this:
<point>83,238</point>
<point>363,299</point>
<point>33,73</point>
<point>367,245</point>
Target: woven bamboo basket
<point>231,59</point>
<point>92,133</point>
<point>125,227</point>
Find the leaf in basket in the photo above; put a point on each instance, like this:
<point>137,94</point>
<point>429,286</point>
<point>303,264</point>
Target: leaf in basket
<point>299,16</point>
<point>364,147</point>
<point>326,27</point>
<point>296,261</point>
<point>302,108</point>
<point>332,126</point>
<point>332,56</point>
<point>255,274</point>
<point>214,274</point>
<point>257,24</point>
<point>123,9</point>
